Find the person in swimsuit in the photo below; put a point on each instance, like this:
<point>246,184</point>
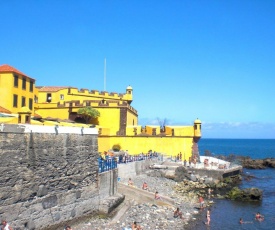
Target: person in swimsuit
<point>208,217</point>
<point>157,196</point>
<point>201,201</point>
<point>145,186</point>
<point>259,217</point>
<point>135,226</point>
<point>178,213</point>
<point>241,221</point>
<point>130,182</point>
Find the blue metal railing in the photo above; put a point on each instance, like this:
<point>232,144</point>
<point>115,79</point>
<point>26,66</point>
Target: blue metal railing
<point>106,165</point>
<point>111,162</point>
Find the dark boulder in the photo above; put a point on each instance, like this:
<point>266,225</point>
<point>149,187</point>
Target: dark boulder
<point>181,173</point>
<point>269,162</point>
<point>248,194</point>
<point>249,163</point>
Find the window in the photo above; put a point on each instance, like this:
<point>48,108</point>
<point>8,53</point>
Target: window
<point>31,86</point>
<point>23,101</point>
<point>24,83</point>
<point>61,96</point>
<point>30,103</point>
<point>35,99</point>
<point>49,97</point>
<point>15,98</point>
<point>15,81</point>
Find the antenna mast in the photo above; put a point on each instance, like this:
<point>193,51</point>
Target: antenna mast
<point>105,74</point>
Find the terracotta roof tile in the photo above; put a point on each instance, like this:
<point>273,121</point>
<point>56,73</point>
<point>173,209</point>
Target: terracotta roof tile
<point>3,110</point>
<point>37,115</point>
<point>7,69</point>
<point>51,88</point>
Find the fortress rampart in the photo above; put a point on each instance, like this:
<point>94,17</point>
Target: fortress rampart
<point>47,177</point>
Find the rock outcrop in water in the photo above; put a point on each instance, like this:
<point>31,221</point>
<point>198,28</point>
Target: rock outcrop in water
<point>248,194</point>
<point>249,163</point>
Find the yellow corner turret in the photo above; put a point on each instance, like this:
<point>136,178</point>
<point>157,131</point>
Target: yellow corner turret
<point>197,128</point>
<point>129,94</point>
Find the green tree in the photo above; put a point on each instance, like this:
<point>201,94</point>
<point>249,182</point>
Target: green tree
<point>116,147</point>
<point>88,113</point>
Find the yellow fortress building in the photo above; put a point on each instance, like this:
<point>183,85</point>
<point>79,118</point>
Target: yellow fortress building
<point>24,102</point>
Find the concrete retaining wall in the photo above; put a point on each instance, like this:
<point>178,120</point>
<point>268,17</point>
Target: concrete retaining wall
<point>132,169</point>
<point>217,174</point>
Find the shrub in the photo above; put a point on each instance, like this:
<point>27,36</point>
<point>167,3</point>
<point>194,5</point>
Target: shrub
<point>116,147</point>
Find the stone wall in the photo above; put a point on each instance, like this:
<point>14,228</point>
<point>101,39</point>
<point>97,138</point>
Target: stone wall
<point>48,178</point>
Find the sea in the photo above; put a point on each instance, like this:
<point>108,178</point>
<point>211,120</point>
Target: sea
<point>225,214</point>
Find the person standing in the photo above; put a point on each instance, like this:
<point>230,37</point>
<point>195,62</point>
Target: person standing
<point>208,217</point>
<point>201,201</point>
<point>209,192</point>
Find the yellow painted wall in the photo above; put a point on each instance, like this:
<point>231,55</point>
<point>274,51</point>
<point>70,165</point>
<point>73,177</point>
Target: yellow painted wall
<point>7,90</point>
<point>169,146</point>
<point>9,120</point>
<point>6,84</point>
<point>109,118</point>
<point>180,130</point>
<point>76,94</point>
<point>149,129</point>
<point>61,113</point>
<point>109,114</point>
<point>131,119</point>
<point>131,130</point>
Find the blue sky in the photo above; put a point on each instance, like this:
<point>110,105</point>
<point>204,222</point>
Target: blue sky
<point>212,60</point>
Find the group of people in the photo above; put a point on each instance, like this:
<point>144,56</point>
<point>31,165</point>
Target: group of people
<point>202,206</point>
<point>258,217</point>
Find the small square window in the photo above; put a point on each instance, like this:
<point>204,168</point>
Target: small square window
<point>61,96</point>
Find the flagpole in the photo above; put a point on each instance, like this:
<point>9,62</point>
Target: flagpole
<point>105,74</point>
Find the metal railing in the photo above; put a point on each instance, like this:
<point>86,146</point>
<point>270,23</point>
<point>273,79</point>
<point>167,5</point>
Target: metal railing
<point>106,165</point>
<point>111,162</point>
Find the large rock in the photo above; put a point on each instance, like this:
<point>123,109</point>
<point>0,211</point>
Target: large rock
<point>248,194</point>
<point>249,163</point>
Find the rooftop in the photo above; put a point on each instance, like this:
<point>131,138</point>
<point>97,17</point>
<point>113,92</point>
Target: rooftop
<point>3,110</point>
<point>51,88</point>
<point>9,69</point>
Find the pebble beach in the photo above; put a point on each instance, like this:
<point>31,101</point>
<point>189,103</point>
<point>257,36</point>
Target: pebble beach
<point>148,215</point>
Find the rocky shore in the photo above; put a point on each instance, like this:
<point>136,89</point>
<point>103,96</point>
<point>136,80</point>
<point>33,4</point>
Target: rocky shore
<point>148,215</point>
<point>159,215</point>
<point>248,162</point>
